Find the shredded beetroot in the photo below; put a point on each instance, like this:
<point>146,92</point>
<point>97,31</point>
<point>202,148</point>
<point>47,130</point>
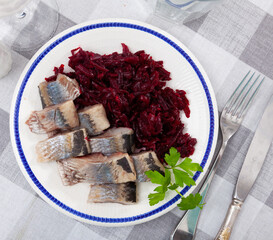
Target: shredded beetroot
<point>131,87</point>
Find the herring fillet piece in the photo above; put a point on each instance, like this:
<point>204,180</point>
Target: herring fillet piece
<point>145,161</point>
<point>123,193</point>
<point>61,116</point>
<point>113,140</point>
<point>94,119</point>
<point>97,168</point>
<point>61,90</point>
<point>70,144</point>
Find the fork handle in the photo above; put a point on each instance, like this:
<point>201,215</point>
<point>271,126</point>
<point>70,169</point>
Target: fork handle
<point>226,228</point>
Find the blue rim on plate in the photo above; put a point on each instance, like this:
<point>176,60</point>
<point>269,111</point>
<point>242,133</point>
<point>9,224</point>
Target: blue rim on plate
<point>17,108</point>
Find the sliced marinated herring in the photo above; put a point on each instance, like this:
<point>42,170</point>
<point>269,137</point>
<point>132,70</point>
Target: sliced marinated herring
<point>97,168</point>
<point>70,144</point>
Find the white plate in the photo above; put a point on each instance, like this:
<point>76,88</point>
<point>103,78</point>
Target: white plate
<point>106,36</point>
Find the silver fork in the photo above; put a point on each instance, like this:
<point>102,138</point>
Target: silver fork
<point>230,120</point>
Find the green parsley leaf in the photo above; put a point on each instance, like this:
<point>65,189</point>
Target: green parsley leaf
<point>173,158</point>
<point>190,202</point>
<point>167,178</point>
<point>182,178</point>
<point>173,187</point>
<point>164,181</point>
<point>155,177</point>
<point>189,167</point>
<point>155,198</point>
<point>160,189</point>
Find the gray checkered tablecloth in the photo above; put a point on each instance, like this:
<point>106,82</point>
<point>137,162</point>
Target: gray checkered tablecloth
<point>230,40</point>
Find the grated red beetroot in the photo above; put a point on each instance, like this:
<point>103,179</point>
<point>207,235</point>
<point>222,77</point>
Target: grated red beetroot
<point>131,86</point>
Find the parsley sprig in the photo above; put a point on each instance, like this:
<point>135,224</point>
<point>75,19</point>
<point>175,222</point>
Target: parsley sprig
<point>183,172</point>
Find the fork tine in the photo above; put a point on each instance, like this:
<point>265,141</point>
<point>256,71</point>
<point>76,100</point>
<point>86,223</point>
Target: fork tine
<point>244,95</point>
<point>233,97</point>
<point>240,96</point>
<point>245,106</point>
